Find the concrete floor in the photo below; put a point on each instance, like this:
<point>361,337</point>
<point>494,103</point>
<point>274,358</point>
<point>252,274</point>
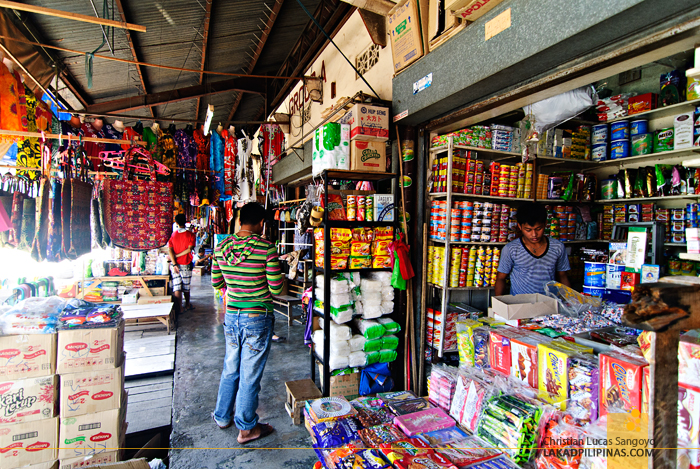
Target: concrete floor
<point>196,441</point>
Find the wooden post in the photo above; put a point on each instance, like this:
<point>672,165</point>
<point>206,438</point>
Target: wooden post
<point>665,309</point>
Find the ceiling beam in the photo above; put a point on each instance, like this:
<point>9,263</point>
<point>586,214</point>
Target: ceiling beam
<point>205,40</point>
<point>70,16</point>
<point>134,55</point>
<point>246,85</point>
<point>258,50</point>
<point>380,7</point>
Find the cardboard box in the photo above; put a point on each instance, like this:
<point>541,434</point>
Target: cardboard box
<point>44,465</point>
<point>90,434</point>
<point>553,373</point>
<point>155,291</point>
<point>90,349</point>
<point>689,360</point>
<point>523,352</point>
<point>688,416</point>
<point>27,356</point>
<point>155,300</point>
<point>641,103</point>
<point>384,207</point>
<point>403,25</point>
<point>347,385</point>
<point>367,156</point>
<point>620,382</point>
<point>523,306</point>
<point>29,399</point>
<point>28,443</point>
<point>197,271</point>
<point>91,391</point>
<point>90,461</point>
<point>367,122</point>
<point>475,9</point>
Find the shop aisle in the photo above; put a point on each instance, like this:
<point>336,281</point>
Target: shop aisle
<point>200,352</point>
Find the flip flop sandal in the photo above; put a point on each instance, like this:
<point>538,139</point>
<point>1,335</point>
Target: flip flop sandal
<point>279,339</point>
<point>266,431</point>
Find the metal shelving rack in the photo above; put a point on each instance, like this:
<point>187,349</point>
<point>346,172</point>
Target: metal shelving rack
<point>343,175</point>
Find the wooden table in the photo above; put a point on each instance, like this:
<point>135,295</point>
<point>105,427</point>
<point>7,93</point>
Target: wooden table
<point>149,314</point>
<point>141,278</point>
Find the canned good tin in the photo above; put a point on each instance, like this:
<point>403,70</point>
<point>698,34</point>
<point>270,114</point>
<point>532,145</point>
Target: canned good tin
<point>361,208</point>
<point>369,208</point>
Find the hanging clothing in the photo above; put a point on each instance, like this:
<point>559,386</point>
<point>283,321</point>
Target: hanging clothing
<point>111,132</point>
<point>9,103</point>
<point>130,134</point>
<point>93,149</point>
<point>202,142</point>
<point>245,173</point>
<point>216,147</point>
<point>55,144</point>
<point>67,129</point>
<point>29,150</point>
<point>44,116</point>
<point>186,159</point>
<point>151,140</point>
<point>271,142</point>
<point>167,153</point>
<point>230,153</point>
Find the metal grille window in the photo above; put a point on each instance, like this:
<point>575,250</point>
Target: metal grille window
<point>366,60</point>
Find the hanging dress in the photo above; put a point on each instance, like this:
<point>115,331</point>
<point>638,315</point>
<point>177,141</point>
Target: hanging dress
<point>132,135</point>
<point>202,142</point>
<point>9,106</point>
<point>29,150</point>
<point>245,170</point>
<point>186,159</point>
<point>167,153</point>
<point>93,149</point>
<point>151,140</point>
<point>230,153</point>
<point>216,148</point>
<point>112,133</point>
<point>272,142</point>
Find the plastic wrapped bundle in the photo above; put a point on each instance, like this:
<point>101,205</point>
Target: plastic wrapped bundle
<point>340,347</point>
<point>373,345</point>
<point>356,294</point>
<point>359,308</point>
<point>318,293</point>
<point>338,300</point>
<point>357,343</point>
<point>371,296</point>
<point>343,314</point>
<point>390,342</point>
<point>368,285</point>
<point>387,294</point>
<point>339,286</point>
<point>372,312</point>
<point>386,356</point>
<point>383,277</point>
<point>337,362</point>
<point>354,278</point>
<point>370,329</point>
<point>373,357</point>
<point>387,307</point>
<point>338,332</point>
<point>358,358</point>
<point>391,326</point>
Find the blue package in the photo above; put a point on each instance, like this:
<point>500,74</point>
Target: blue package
<point>336,433</point>
<point>444,436</point>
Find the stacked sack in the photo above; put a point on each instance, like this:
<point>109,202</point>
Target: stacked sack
<point>374,296</point>
<point>342,308</point>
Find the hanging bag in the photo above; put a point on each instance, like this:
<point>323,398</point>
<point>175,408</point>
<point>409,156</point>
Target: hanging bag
<point>18,197</point>
<point>106,241</point>
<point>28,217</point>
<point>55,229</point>
<point>138,214</point>
<point>75,209</point>
<point>39,243</point>
<point>6,197</point>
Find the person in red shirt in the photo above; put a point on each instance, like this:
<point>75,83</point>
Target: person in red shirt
<point>180,249</point>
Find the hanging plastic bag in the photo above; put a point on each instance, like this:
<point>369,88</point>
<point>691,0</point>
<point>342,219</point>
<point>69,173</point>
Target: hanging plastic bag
<point>551,112</point>
<point>396,280</point>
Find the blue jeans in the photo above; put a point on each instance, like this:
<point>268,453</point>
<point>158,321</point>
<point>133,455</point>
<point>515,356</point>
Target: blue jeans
<point>248,342</point>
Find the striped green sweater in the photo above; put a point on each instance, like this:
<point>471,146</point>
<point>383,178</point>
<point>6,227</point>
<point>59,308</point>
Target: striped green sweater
<point>250,271</point>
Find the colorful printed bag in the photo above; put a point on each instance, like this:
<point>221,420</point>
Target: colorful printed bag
<point>138,214</point>
<point>75,211</point>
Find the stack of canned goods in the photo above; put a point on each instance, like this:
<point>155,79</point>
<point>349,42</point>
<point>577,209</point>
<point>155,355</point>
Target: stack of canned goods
<point>473,222</point>
<point>359,208</point>
<point>469,267</point>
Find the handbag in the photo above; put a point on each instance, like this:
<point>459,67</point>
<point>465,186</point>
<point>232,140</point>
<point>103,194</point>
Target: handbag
<point>106,240</point>
<point>16,218</point>
<point>41,229</point>
<point>6,197</point>
<point>75,210</point>
<point>138,214</point>
<point>55,233</point>
<point>26,237</point>
<point>95,225</point>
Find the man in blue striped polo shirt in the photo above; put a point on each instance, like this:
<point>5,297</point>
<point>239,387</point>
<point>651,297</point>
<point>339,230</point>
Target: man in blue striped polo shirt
<point>534,259</point>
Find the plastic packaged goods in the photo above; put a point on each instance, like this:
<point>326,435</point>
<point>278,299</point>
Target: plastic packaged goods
<point>357,343</point>
<point>387,307</point>
<point>372,313</point>
<point>357,358</point>
<point>337,362</point>
<point>391,326</point>
<point>33,316</point>
<point>370,296</point>
<point>367,285</point>
<point>338,332</point>
<point>338,300</point>
<point>370,329</point>
<point>372,345</point>
<point>340,347</point>
<point>387,356</point>
<point>390,342</point>
<point>387,294</point>
<point>359,308</point>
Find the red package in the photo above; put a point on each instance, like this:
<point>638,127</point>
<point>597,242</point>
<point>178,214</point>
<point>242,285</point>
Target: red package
<point>629,280</point>
<point>620,382</point>
<point>524,361</point>
<point>499,350</point>
<point>335,208</point>
<point>641,103</point>
<point>404,460</point>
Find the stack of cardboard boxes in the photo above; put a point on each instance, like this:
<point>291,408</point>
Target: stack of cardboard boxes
<point>369,132</point>
<point>93,402</point>
<point>77,374</point>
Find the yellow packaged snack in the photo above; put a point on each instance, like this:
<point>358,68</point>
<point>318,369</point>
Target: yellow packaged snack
<point>341,234</point>
<point>340,248</point>
<point>339,263</point>
<point>380,247</point>
<point>359,248</point>
<point>384,232</point>
<point>364,262</point>
<point>381,262</point>
<point>553,373</point>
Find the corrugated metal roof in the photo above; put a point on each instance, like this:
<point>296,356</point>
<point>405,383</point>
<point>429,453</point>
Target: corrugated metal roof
<point>174,37</point>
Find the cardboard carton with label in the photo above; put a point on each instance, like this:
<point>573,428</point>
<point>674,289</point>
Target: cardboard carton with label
<point>90,434</point>
<point>91,391</point>
<point>28,443</point>
<point>27,356</point>
<point>367,122</point>
<point>367,156</point>
<point>25,400</point>
<point>90,349</point>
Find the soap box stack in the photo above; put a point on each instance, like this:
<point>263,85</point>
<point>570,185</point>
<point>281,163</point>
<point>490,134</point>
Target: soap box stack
<point>28,401</point>
<point>369,132</point>
<point>93,402</point>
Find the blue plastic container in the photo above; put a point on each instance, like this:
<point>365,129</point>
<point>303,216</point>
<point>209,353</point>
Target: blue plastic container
<point>619,149</point>
<point>599,134</point>
<point>639,127</point>
<point>619,130</point>
<point>594,274</point>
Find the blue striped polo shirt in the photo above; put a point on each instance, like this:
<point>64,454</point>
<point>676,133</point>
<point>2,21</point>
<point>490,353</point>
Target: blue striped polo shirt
<point>528,273</point>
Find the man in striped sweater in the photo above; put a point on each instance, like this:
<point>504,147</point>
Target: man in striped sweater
<point>247,268</point>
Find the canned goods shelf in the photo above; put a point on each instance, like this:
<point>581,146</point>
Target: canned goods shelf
<point>689,257</point>
<point>436,195</point>
<point>489,243</point>
<point>676,245</point>
<point>551,160</point>
<point>658,112</point>
<point>648,199</point>
<point>333,271</point>
<point>562,201</point>
<point>440,287</point>
<point>355,224</point>
<point>488,151</point>
<point>650,156</point>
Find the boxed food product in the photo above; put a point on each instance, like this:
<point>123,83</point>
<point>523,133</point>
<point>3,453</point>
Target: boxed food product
<point>108,457</point>
<point>331,148</point>
<point>89,434</point>
<point>384,207</point>
<point>553,373</point>
<point>689,360</point>
<point>28,443</point>
<point>367,122</point>
<point>368,155</point>
<point>91,391</point>
<point>688,416</point>
<point>90,349</point>
<point>524,360</point>
<point>620,382</point>
<point>642,103</point>
<point>683,131</point>
<point>499,348</point>
<point>25,400</point>
<point>27,356</point>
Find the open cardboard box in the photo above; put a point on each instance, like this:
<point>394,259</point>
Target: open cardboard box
<point>523,306</point>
